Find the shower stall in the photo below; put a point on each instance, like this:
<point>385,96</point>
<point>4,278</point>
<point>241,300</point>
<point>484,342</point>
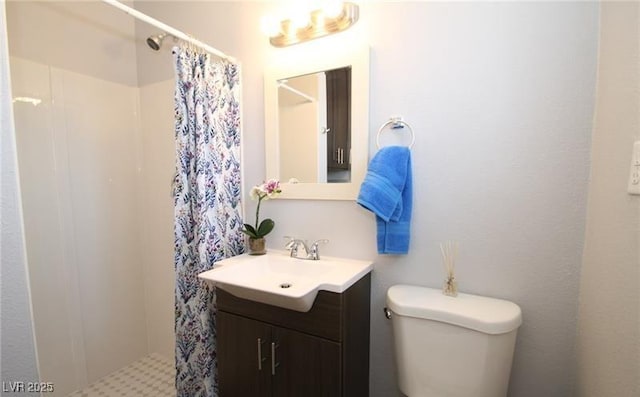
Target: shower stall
<point>95,150</point>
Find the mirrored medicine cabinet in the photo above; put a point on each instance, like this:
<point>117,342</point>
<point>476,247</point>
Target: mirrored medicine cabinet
<point>316,123</point>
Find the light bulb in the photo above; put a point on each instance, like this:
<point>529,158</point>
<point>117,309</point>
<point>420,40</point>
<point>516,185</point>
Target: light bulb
<point>270,26</point>
<point>332,8</point>
<point>299,19</point>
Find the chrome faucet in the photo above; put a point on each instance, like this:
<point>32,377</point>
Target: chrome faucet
<point>310,253</point>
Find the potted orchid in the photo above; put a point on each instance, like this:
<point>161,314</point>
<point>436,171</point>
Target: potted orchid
<point>267,190</point>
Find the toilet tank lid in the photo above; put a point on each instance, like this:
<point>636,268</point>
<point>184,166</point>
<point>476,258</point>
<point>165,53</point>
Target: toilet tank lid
<point>488,315</point>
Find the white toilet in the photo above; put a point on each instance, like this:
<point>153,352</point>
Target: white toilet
<point>452,347</point>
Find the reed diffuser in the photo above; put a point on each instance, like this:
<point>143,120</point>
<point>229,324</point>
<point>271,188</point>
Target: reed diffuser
<point>449,252</point>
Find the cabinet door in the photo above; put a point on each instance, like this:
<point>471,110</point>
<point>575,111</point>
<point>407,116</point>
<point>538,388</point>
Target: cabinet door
<point>244,366</point>
<point>339,118</point>
<point>305,365</point>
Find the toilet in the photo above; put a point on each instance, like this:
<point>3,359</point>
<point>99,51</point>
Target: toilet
<point>452,346</point>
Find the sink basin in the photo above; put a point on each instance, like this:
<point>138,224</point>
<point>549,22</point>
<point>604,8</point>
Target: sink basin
<point>279,280</point>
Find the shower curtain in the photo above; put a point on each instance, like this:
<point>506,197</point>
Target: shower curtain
<point>207,206</point>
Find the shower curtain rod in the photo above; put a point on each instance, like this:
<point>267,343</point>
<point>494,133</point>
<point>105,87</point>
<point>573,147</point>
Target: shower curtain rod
<point>169,29</point>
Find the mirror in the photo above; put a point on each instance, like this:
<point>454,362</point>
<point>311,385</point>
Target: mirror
<point>316,124</point>
<point>314,127</point>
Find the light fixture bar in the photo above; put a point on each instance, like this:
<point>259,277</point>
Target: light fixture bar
<point>318,26</point>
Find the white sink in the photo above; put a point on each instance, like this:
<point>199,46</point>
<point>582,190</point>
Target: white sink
<point>278,280</point>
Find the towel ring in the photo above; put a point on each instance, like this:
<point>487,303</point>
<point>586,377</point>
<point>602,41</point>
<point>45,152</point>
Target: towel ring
<point>396,123</point>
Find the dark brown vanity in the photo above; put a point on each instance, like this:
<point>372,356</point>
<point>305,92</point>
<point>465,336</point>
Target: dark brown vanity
<point>265,350</point>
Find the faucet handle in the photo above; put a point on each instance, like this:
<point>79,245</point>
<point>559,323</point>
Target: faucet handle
<point>290,243</point>
<point>294,244</point>
<point>314,252</point>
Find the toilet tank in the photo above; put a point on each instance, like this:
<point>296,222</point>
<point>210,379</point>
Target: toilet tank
<point>452,346</point>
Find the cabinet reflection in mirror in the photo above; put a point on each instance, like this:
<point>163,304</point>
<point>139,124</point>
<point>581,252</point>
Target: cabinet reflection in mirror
<point>316,123</point>
<point>315,128</point>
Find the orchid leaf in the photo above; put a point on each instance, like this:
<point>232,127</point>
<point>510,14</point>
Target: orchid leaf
<point>266,226</point>
<point>250,231</point>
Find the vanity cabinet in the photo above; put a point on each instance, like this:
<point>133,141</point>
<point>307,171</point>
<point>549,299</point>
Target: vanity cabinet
<point>267,351</point>
<point>264,359</point>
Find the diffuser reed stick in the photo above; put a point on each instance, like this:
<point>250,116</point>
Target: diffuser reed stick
<point>449,252</point>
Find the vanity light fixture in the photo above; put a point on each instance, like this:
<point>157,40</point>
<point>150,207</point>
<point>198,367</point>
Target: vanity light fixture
<point>333,17</point>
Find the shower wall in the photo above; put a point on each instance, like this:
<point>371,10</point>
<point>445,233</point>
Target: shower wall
<point>95,174</point>
<point>158,159</point>
<point>77,158</point>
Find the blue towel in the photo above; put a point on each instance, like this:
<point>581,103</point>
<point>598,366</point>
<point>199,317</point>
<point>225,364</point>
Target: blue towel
<point>387,192</point>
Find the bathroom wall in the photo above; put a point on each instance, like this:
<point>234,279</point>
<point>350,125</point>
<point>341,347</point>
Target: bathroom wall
<point>19,360</point>
<point>83,36</point>
<point>501,97</point>
<point>608,342</point>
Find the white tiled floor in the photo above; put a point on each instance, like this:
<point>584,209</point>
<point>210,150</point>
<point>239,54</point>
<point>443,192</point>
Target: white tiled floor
<point>152,376</point>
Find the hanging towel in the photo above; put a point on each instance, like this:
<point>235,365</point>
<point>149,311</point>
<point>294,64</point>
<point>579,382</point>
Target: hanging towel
<point>387,192</point>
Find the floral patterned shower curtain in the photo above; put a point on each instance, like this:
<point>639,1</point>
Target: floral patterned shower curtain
<point>207,206</point>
